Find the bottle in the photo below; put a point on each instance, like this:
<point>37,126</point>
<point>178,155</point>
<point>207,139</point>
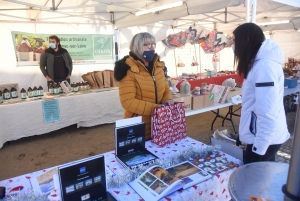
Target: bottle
<point>75,87</point>
<point>56,88</point>
<point>35,92</point>
<point>40,91</point>
<point>29,92</point>
<point>1,97</point>
<point>51,88</point>
<point>14,93</point>
<point>6,94</point>
<point>23,93</point>
<point>60,88</point>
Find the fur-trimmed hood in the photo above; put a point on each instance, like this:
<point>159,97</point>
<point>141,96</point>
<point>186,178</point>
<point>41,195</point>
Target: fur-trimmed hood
<point>121,68</point>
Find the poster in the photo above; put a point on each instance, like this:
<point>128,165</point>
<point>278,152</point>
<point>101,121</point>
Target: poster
<point>51,111</point>
<point>83,48</point>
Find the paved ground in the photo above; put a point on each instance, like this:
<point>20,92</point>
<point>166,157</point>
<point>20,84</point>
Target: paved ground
<point>68,144</point>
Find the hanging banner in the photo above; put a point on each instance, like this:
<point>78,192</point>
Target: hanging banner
<point>83,48</point>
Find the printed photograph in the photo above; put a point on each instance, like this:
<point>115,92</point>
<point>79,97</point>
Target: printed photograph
<point>121,144</point>
<point>45,181</point>
<point>140,139</point>
<point>97,179</point>
<point>163,175</point>
<point>137,158</point>
<point>88,182</point>
<point>133,140</point>
<point>187,180</point>
<point>79,185</point>
<point>148,179</point>
<point>158,186</point>
<point>70,189</point>
<point>203,173</point>
<point>183,170</point>
<point>127,142</point>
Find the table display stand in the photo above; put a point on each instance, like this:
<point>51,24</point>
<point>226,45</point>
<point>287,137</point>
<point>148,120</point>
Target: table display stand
<point>263,179</point>
<point>230,112</point>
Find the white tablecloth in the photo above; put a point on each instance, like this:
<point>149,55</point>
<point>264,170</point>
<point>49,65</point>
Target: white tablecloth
<point>213,189</point>
<point>26,119</point>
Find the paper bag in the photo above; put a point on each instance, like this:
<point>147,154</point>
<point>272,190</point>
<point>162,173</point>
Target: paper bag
<point>90,78</point>
<point>99,79</point>
<point>106,78</point>
<point>168,124</point>
<point>113,81</point>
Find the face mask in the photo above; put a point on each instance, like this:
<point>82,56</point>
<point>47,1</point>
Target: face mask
<point>52,45</point>
<point>148,55</point>
<point>233,48</point>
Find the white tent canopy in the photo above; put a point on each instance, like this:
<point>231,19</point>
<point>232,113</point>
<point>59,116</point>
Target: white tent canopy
<point>103,16</point>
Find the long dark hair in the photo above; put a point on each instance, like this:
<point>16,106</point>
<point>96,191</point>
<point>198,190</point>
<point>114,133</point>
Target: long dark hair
<point>248,39</point>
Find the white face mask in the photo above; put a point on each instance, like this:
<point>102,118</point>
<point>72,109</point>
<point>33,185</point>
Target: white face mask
<point>52,45</point>
<point>233,48</point>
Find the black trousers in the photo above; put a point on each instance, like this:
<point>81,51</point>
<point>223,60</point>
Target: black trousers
<point>251,157</point>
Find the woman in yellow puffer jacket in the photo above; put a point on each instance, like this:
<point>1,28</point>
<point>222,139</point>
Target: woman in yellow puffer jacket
<point>142,83</point>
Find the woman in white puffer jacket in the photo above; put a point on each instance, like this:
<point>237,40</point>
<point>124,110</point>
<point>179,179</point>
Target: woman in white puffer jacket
<point>263,122</point>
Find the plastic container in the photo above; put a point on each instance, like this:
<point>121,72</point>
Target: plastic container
<point>290,83</point>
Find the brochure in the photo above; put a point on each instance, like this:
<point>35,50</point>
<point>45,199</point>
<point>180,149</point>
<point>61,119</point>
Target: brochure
<point>130,146</point>
<point>156,182</point>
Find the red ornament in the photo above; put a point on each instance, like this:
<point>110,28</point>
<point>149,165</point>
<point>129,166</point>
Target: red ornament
<point>223,190</point>
<point>195,187</point>
<point>117,192</point>
<point>211,193</point>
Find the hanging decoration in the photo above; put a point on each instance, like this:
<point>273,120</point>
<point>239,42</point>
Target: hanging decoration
<point>210,41</point>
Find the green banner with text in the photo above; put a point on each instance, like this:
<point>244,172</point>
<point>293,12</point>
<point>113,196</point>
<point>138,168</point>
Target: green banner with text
<point>83,48</point>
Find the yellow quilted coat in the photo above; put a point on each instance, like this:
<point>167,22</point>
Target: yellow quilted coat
<point>140,91</point>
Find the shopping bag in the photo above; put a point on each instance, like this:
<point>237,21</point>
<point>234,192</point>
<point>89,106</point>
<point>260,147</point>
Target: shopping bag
<point>106,78</point>
<point>168,124</point>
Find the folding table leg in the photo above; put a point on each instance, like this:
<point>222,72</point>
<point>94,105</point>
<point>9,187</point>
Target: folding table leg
<point>217,115</point>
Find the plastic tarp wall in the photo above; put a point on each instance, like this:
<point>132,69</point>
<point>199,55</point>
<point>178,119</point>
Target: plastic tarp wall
<point>29,76</point>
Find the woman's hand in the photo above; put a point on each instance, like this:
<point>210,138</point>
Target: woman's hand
<point>169,102</point>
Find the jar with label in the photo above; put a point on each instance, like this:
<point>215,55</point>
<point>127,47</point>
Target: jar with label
<point>23,93</point>
<point>203,89</point>
<point>74,86</point>
<point>51,88</point>
<point>14,93</point>
<point>6,94</point>
<point>56,89</point>
<point>1,97</point>
<point>41,91</point>
<point>197,91</point>
<point>35,92</point>
<point>29,92</point>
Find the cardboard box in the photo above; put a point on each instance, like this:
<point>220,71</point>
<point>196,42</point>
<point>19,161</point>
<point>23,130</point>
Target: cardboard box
<point>187,99</point>
<point>237,91</point>
<point>202,101</point>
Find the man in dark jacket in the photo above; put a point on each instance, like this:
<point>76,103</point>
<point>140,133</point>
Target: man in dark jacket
<point>56,63</point>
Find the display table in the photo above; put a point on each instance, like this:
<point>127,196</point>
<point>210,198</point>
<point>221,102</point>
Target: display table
<point>89,109</point>
<point>212,80</point>
<point>214,188</point>
<point>263,179</point>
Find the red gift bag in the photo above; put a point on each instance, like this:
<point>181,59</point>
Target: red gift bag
<point>168,124</point>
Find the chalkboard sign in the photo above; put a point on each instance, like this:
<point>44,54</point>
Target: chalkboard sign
<point>51,111</point>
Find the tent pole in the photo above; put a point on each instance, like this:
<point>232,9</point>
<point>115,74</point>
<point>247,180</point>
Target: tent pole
<point>292,187</point>
<point>200,57</point>
<point>254,11</point>
<point>53,5</point>
<point>247,10</point>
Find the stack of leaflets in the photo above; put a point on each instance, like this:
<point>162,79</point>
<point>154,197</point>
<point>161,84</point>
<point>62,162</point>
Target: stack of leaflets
<point>130,146</point>
<point>156,182</point>
<point>214,163</point>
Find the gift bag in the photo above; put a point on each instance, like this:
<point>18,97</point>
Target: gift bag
<point>168,124</point>
<point>106,78</point>
<point>99,78</point>
<point>180,63</point>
